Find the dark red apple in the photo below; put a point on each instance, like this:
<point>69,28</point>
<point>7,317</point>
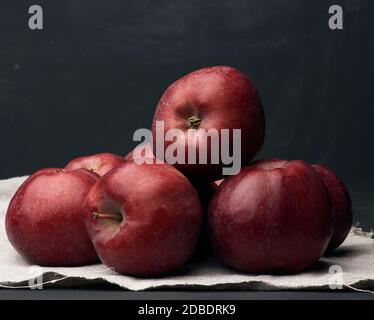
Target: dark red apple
<point>99,163</point>
<point>143,219</point>
<point>204,189</point>
<point>341,207</point>
<point>45,218</point>
<point>274,217</point>
<point>217,98</point>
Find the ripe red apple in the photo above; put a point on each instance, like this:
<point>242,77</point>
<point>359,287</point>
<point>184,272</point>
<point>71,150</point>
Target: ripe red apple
<point>204,189</point>
<point>45,218</point>
<point>211,98</point>
<point>143,219</point>
<point>272,217</point>
<point>340,205</point>
<point>99,163</point>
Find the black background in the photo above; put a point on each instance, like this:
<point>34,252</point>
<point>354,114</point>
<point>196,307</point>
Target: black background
<point>95,74</point>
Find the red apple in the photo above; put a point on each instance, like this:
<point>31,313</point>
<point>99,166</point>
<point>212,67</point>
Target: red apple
<point>204,189</point>
<point>99,163</point>
<point>45,218</point>
<point>340,205</point>
<point>272,217</point>
<point>210,98</point>
<point>143,219</point>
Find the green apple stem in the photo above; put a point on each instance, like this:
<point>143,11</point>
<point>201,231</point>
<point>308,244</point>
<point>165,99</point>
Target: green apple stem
<point>116,217</point>
<point>194,122</point>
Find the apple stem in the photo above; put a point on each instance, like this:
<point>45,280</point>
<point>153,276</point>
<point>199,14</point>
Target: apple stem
<point>194,122</point>
<point>116,217</point>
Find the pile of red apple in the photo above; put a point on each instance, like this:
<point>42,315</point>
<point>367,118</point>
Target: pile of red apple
<point>274,216</point>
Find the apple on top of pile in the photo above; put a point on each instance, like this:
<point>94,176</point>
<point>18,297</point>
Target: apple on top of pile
<point>148,218</point>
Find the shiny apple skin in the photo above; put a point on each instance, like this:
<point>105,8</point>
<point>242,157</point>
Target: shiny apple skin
<point>274,217</point>
<point>161,219</point>
<point>45,218</point>
<point>222,98</point>
<point>341,206</point>
<point>100,163</point>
